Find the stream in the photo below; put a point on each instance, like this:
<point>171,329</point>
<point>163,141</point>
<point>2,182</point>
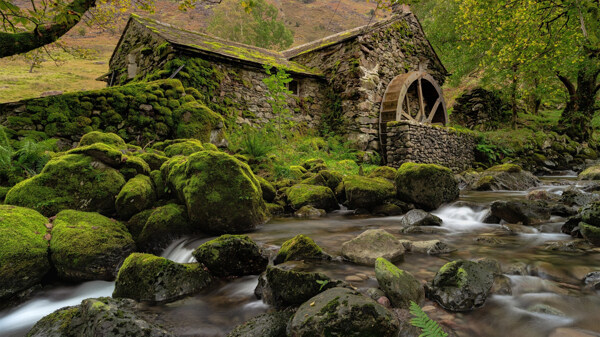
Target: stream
<point>550,296</point>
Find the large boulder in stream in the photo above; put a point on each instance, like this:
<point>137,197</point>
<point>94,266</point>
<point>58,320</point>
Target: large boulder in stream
<point>320,197</point>
<point>343,312</point>
<point>300,247</point>
<point>231,255</point>
<point>23,250</point>
<point>221,193</point>
<point>504,177</point>
<point>272,324</point>
<point>462,285</point>
<point>527,212</point>
<point>367,193</point>
<point>154,229</point>
<point>145,277</point>
<point>135,196</point>
<point>400,286</point>
<point>372,244</point>
<point>428,186</point>
<point>104,316</point>
<point>590,173</point>
<point>88,246</point>
<point>418,217</point>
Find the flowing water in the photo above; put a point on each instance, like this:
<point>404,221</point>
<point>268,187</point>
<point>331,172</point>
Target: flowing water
<point>550,296</point>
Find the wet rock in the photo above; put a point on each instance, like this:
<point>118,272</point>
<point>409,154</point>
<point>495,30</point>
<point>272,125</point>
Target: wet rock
<point>514,229</point>
<point>489,241</point>
<point>375,293</point>
<point>88,246</point>
<point>592,280</point>
<point>570,246</point>
<point>542,195</point>
<point>371,244</point>
<point>519,268</point>
<point>526,212</point>
<point>23,250</point>
<point>146,277</point>
<point>103,316</point>
<point>590,173</point>
<point>317,196</point>
<point>590,233</point>
<point>343,312</point>
<point>273,324</point>
<point>418,217</point>
<point>505,177</point>
<point>431,247</point>
<point>367,193</point>
<point>388,210</point>
<point>300,247</point>
<point>221,193</point>
<point>489,218</point>
<point>135,196</point>
<point>571,226</point>
<point>400,286</point>
<point>461,285</point>
<point>428,186</point>
<point>159,227</point>
<point>275,209</point>
<point>545,309</point>
<point>287,285</point>
<point>502,285</point>
<point>423,230</point>
<point>309,212</point>
<point>231,255</point>
<point>572,196</point>
<point>590,214</point>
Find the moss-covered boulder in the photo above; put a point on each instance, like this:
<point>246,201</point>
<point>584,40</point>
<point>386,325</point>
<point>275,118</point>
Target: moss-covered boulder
<point>590,173</point>
<point>101,152</point>
<point>461,285</point>
<point>327,178</point>
<point>71,181</point>
<point>504,177</point>
<point>428,186</point>
<point>309,212</point>
<point>231,255</point>
<point>145,277</point>
<point>160,226</point>
<point>154,160</point>
<point>23,249</point>
<point>590,233</point>
<point>268,191</point>
<point>527,212</point>
<point>366,193</point>
<point>135,196</point>
<point>185,147</point>
<point>317,196</point>
<point>400,286</point>
<point>590,214</point>
<point>300,247</point>
<point>221,193</point>
<point>418,217</point>
<point>385,172</point>
<point>199,122</point>
<point>343,312</point>
<point>372,244</point>
<point>108,138</point>
<point>286,285</point>
<point>88,246</point>
<point>104,316</point>
<point>272,324</point>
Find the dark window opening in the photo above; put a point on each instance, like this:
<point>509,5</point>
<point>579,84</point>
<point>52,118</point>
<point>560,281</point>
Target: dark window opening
<point>294,87</point>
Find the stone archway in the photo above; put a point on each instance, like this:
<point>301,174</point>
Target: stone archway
<point>416,97</point>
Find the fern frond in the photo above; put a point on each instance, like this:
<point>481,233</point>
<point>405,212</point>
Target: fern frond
<point>429,327</point>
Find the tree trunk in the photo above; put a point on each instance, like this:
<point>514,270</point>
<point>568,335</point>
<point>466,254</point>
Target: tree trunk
<point>577,115</point>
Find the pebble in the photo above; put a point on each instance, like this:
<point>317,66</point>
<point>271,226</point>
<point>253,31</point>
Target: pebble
<point>384,301</point>
<point>353,278</point>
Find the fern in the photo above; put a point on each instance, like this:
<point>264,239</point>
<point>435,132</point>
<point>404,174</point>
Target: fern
<point>429,327</point>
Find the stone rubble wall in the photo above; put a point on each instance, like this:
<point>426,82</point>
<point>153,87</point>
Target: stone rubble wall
<point>428,144</point>
<point>360,69</point>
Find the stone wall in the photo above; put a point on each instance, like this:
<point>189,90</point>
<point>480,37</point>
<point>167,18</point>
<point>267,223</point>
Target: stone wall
<point>360,69</point>
<point>420,143</point>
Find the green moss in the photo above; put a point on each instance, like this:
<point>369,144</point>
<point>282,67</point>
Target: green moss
<point>154,160</point>
<point>136,224</point>
<point>426,185</point>
<point>23,250</point>
<point>385,172</point>
<point>298,248</point>
<point>162,225</point>
<point>101,152</point>
<point>102,137</point>
<point>511,168</point>
<point>88,246</point>
<point>318,196</point>
<point>231,255</point>
<point>184,148</point>
<point>366,193</point>
<point>590,233</point>
<point>210,147</point>
<point>132,165</point>
<point>135,196</point>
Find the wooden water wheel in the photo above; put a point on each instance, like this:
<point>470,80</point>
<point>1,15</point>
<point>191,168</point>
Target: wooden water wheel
<point>415,97</point>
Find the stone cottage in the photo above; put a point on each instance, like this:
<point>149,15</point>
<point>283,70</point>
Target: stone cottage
<point>382,72</point>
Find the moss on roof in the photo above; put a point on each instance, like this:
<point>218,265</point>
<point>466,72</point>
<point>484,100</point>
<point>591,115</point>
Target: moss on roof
<point>211,45</point>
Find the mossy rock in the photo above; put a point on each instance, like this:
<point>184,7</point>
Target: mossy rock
<point>108,138</point>
<point>590,214</point>
<point>71,181</point>
<point>136,224</point>
<point>301,195</point>
<point>154,160</point>
<point>132,166</point>
<point>159,184</point>
<point>88,246</point>
<point>101,152</point>
<point>312,163</point>
<point>426,185</point>
<point>510,168</point>
<point>300,247</point>
<point>366,193</point>
<point>590,233</point>
<point>135,196</point>
<point>149,278</point>
<point>221,193</point>
<point>23,249</point>
<point>297,171</point>
<point>210,147</point>
<point>504,177</point>
<point>400,286</point>
<point>104,316</point>
<point>384,172</point>
<point>285,285</point>
<point>275,209</point>
<point>327,178</point>
<point>372,244</point>
<point>268,191</point>
<point>231,255</point>
<point>590,173</point>
<point>343,312</point>
<point>272,324</point>
<point>184,148</point>
<point>163,224</point>
<point>199,122</point>
<point>3,191</point>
